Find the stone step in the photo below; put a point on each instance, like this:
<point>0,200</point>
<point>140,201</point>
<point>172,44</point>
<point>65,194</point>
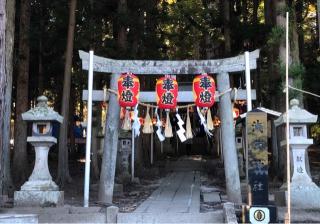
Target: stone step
<point>51,210</point>
<point>299,215</point>
<point>35,210</point>
<point>68,214</point>
<point>211,197</point>
<point>170,217</point>
<point>18,218</point>
<point>184,166</point>
<point>73,218</point>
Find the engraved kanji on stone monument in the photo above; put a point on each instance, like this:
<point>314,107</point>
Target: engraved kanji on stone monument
<point>256,124</point>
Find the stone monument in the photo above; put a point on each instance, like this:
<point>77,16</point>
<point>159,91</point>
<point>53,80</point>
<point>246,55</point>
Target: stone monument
<point>304,192</point>
<point>40,189</point>
<point>123,157</point>
<point>259,209</point>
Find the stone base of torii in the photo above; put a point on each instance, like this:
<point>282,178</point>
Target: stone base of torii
<point>221,67</point>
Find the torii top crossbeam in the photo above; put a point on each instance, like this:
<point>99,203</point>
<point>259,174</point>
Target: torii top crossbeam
<point>161,67</point>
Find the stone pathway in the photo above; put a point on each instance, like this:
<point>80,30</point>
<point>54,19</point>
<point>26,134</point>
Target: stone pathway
<point>177,200</point>
<point>179,192</point>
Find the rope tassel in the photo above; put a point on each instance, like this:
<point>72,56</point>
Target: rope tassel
<point>209,120</point>
<point>188,126</point>
<point>136,122</point>
<point>168,129</point>
<point>159,125</point>
<point>203,122</point>
<point>126,125</point>
<point>148,126</point>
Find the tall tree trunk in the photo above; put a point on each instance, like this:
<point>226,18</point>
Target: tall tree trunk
<point>295,49</point>
<point>150,30</point>
<point>40,56</point>
<point>268,9</point>
<point>245,10</point>
<point>122,29</point>
<point>3,86</point>
<point>226,26</point>
<point>255,12</point>
<point>255,22</point>
<point>277,100</point>
<point>10,31</point>
<point>20,131</point>
<point>7,16</point>
<point>318,20</point>
<point>281,22</point>
<point>137,33</point>
<point>294,42</point>
<point>299,18</point>
<point>63,166</point>
<point>270,21</point>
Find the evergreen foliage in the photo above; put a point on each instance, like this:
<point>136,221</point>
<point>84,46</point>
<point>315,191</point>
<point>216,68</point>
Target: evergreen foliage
<point>168,29</point>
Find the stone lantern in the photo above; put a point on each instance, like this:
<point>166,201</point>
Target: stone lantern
<point>40,189</point>
<point>304,192</point>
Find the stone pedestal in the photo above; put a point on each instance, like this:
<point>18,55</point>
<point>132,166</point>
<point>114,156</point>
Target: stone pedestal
<point>40,189</point>
<point>304,192</point>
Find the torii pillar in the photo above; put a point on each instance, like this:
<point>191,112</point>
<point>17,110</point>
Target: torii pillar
<point>228,141</point>
<point>109,159</point>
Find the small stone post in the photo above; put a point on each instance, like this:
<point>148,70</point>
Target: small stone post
<point>228,141</point>
<point>112,213</point>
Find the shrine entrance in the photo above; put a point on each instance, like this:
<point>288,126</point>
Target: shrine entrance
<point>225,139</point>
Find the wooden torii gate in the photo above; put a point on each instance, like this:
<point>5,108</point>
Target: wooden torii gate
<point>221,67</point>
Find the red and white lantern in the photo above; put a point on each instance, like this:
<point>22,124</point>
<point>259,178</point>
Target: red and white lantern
<point>128,94</point>
<point>167,92</point>
<point>204,89</point>
<point>128,90</point>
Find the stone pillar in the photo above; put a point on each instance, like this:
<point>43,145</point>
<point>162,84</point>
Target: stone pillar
<point>304,192</point>
<point>228,141</point>
<point>40,189</point>
<point>108,166</point>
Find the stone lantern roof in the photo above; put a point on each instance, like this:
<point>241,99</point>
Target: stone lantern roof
<point>297,115</point>
<point>42,112</point>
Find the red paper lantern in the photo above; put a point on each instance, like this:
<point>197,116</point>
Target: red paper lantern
<point>167,92</point>
<point>128,90</point>
<point>204,89</point>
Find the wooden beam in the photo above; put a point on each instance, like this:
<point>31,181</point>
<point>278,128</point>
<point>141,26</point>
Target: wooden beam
<point>161,67</point>
<point>150,97</point>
